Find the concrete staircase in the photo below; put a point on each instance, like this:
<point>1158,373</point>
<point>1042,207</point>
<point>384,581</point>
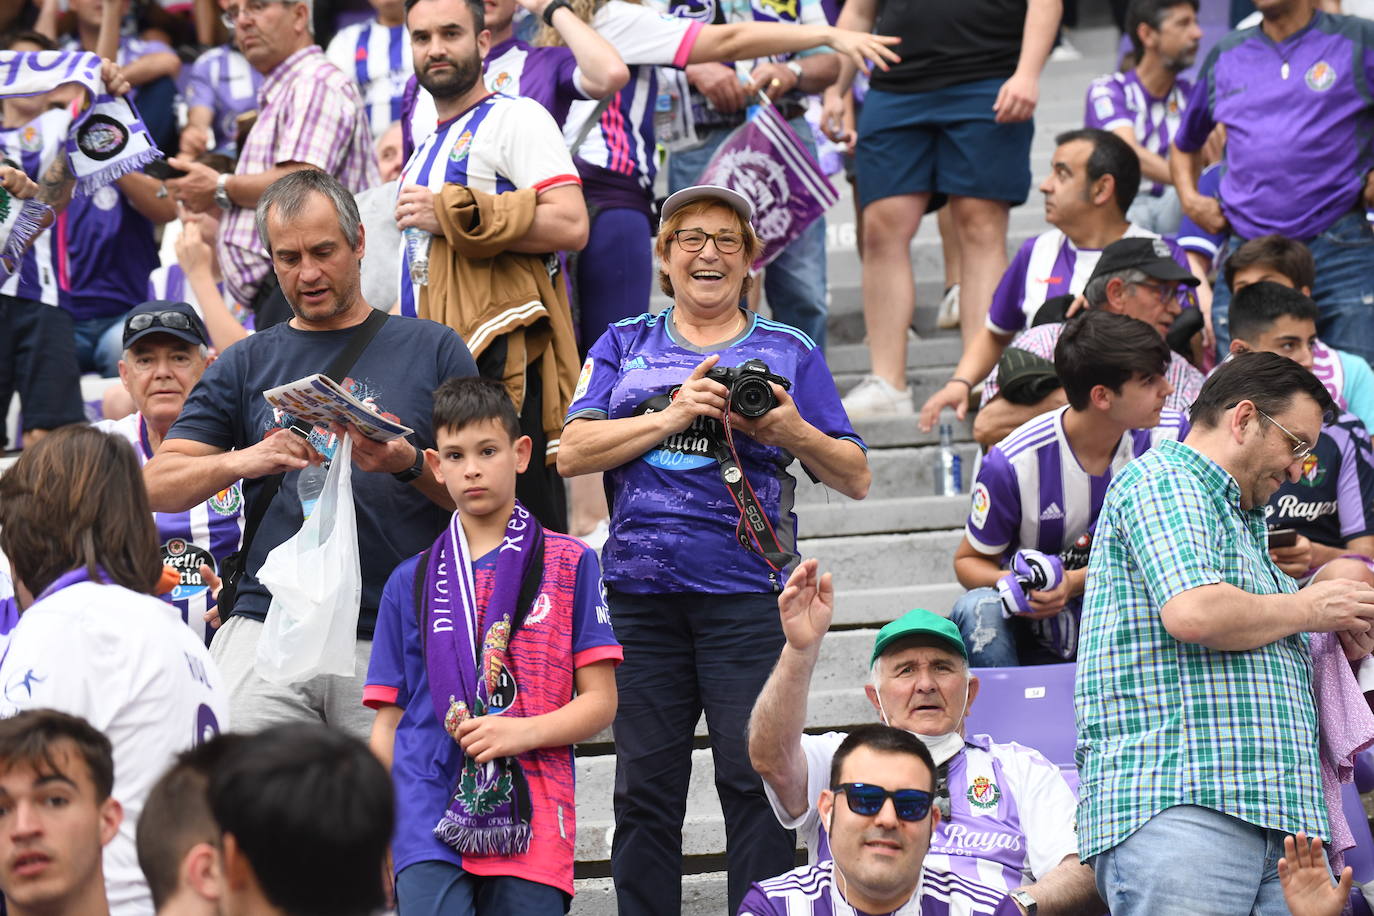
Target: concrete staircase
<point>889,553</point>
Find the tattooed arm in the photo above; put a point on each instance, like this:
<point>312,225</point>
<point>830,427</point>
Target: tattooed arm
<point>55,187</point>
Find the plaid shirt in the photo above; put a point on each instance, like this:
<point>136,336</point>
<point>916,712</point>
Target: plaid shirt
<point>1164,723</point>
<point>308,111</point>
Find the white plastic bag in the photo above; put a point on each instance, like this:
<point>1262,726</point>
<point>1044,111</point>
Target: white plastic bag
<point>316,586</point>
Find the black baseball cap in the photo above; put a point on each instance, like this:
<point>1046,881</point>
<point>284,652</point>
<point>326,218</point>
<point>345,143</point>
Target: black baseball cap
<point>161,316</point>
<point>1151,256</point>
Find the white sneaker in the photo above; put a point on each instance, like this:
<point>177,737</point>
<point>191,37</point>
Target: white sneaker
<point>874,397</point>
<point>949,309</point>
<point>596,538</point>
<point>1065,52</point>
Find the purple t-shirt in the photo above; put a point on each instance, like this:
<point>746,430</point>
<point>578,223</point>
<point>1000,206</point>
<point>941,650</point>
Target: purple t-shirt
<point>108,253</point>
<point>1333,499</point>
<point>672,517</point>
<point>1298,119</point>
<point>811,891</point>
<point>1120,100</point>
<point>1046,266</point>
<point>547,75</point>
<point>222,79</point>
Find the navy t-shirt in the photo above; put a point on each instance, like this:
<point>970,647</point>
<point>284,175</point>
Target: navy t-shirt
<point>396,374</point>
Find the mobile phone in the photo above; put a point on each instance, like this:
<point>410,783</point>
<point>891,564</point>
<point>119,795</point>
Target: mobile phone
<point>160,170</point>
<point>1282,537</point>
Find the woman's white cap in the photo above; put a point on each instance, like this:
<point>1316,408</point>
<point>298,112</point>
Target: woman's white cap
<point>732,199</point>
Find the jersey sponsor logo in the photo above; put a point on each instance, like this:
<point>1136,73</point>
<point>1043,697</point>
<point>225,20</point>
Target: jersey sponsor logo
<point>1313,473</point>
<point>1289,506</point>
<point>1320,77</point>
<point>1051,513</point>
<point>30,140</point>
<point>982,502</point>
<point>24,683</point>
<point>186,558</point>
<point>461,147</point>
<point>227,501</point>
<point>1103,107</point>
<point>983,793</point>
<point>1076,557</point>
<point>635,363</point>
<point>687,450</point>
<point>540,609</point>
<point>584,380</point>
<point>603,608</point>
<point>961,837</point>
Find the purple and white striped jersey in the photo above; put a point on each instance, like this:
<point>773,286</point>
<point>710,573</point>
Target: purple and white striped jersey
<point>33,148</point>
<point>206,533</point>
<point>1032,492</point>
<point>1119,100</point>
<point>1332,501</point>
<point>1048,265</point>
<point>222,80</point>
<point>1012,814</point>
<point>811,891</point>
<point>378,59</point>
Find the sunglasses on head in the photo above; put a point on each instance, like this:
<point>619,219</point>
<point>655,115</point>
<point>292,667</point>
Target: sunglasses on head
<point>176,321</point>
<point>867,800</point>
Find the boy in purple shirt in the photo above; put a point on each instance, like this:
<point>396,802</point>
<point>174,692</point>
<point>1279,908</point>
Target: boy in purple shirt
<point>1294,96</point>
<point>481,643</point>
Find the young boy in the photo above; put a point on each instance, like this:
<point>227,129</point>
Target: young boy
<point>481,643</point>
<point>1331,505</point>
<point>1276,259</point>
<point>1042,486</point>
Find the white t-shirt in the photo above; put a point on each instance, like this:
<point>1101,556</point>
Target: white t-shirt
<point>127,664</point>
<point>1011,817</point>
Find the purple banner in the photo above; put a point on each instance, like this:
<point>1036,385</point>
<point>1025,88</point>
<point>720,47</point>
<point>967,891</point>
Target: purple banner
<point>765,160</point>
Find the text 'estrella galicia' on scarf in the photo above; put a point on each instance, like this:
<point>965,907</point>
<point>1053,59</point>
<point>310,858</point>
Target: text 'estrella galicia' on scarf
<point>105,141</point>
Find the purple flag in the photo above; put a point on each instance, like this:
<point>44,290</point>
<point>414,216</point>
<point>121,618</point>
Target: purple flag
<point>765,160</point>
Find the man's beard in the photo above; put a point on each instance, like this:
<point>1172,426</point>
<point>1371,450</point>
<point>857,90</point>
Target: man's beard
<point>1177,65</point>
<point>450,85</point>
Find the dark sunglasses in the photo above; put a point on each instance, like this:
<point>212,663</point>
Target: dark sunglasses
<point>866,800</point>
<point>176,321</point>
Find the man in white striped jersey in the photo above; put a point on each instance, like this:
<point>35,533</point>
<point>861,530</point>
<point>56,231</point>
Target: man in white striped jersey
<point>376,54</point>
<point>165,354</point>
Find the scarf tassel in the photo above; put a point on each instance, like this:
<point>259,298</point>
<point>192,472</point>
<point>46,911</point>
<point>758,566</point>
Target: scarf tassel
<point>32,219</point>
<point>508,840</point>
<point>89,184</point>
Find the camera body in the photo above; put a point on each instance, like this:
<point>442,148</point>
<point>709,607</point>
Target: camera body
<point>751,387</point>
<point>1031,571</point>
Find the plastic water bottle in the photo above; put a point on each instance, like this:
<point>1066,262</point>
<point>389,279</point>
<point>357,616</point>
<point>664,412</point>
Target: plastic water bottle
<point>949,471</point>
<point>309,486</point>
<point>417,254</point>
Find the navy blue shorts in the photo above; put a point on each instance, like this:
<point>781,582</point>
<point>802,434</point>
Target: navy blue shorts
<point>943,142</point>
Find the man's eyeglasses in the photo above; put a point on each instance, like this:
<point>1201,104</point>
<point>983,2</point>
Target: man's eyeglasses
<point>695,239</point>
<point>177,321</point>
<point>1300,447</point>
<point>867,800</point>
<point>1164,291</point>
<point>252,9</point>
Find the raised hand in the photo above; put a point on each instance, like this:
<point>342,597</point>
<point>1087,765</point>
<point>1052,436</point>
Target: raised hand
<point>806,606</point>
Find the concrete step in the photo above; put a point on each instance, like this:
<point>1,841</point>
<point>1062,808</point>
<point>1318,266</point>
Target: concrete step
<point>702,895</point>
<point>845,517</point>
<point>886,560</point>
<point>898,473</point>
<point>902,432</point>
<point>943,349</point>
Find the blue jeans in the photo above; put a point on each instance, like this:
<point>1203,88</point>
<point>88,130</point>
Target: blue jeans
<point>795,281</point>
<point>1344,291</point>
<point>99,344</point>
<point>443,889</point>
<point>685,653</point>
<point>1171,867</point>
<point>987,634</point>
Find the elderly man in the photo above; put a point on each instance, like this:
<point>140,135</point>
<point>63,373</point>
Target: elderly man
<point>1136,277</point>
<point>309,116</point>
<point>878,847</point>
<point>1093,179</point>
<point>1010,824</point>
<point>227,432</point>
<point>165,354</point>
<point>1197,730</point>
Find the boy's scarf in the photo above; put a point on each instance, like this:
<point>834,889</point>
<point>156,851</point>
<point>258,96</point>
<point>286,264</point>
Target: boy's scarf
<point>490,810</point>
<point>105,142</point>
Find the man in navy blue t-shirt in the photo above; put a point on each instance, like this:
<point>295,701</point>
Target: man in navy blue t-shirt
<point>227,431</point>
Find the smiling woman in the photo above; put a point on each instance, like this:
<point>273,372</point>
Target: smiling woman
<point>661,407</point>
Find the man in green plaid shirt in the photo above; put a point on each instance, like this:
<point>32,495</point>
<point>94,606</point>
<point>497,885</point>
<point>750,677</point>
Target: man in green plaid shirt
<point>1197,731</point>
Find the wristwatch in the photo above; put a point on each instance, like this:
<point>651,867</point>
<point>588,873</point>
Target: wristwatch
<point>415,471</point>
<point>1026,900</point>
<point>796,68</point>
<point>222,193</point>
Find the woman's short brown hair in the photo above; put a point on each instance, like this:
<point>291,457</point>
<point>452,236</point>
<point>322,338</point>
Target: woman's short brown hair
<point>76,499</point>
<point>751,249</point>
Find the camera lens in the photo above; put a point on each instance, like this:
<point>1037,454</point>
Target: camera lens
<point>752,397</point>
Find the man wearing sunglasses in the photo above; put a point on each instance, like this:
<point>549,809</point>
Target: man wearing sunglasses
<point>1197,727</point>
<point>880,815</point>
<point>1136,277</point>
<point>1007,814</point>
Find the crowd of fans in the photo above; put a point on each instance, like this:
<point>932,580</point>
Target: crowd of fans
<point>447,209</point>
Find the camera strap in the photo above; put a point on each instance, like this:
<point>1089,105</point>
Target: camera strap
<point>753,529</point>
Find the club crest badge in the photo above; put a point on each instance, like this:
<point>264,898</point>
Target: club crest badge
<point>1320,77</point>
<point>983,793</point>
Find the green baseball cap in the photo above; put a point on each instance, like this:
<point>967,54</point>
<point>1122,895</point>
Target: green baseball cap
<point>919,623</point>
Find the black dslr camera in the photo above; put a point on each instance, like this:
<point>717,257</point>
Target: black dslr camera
<point>751,394</point>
